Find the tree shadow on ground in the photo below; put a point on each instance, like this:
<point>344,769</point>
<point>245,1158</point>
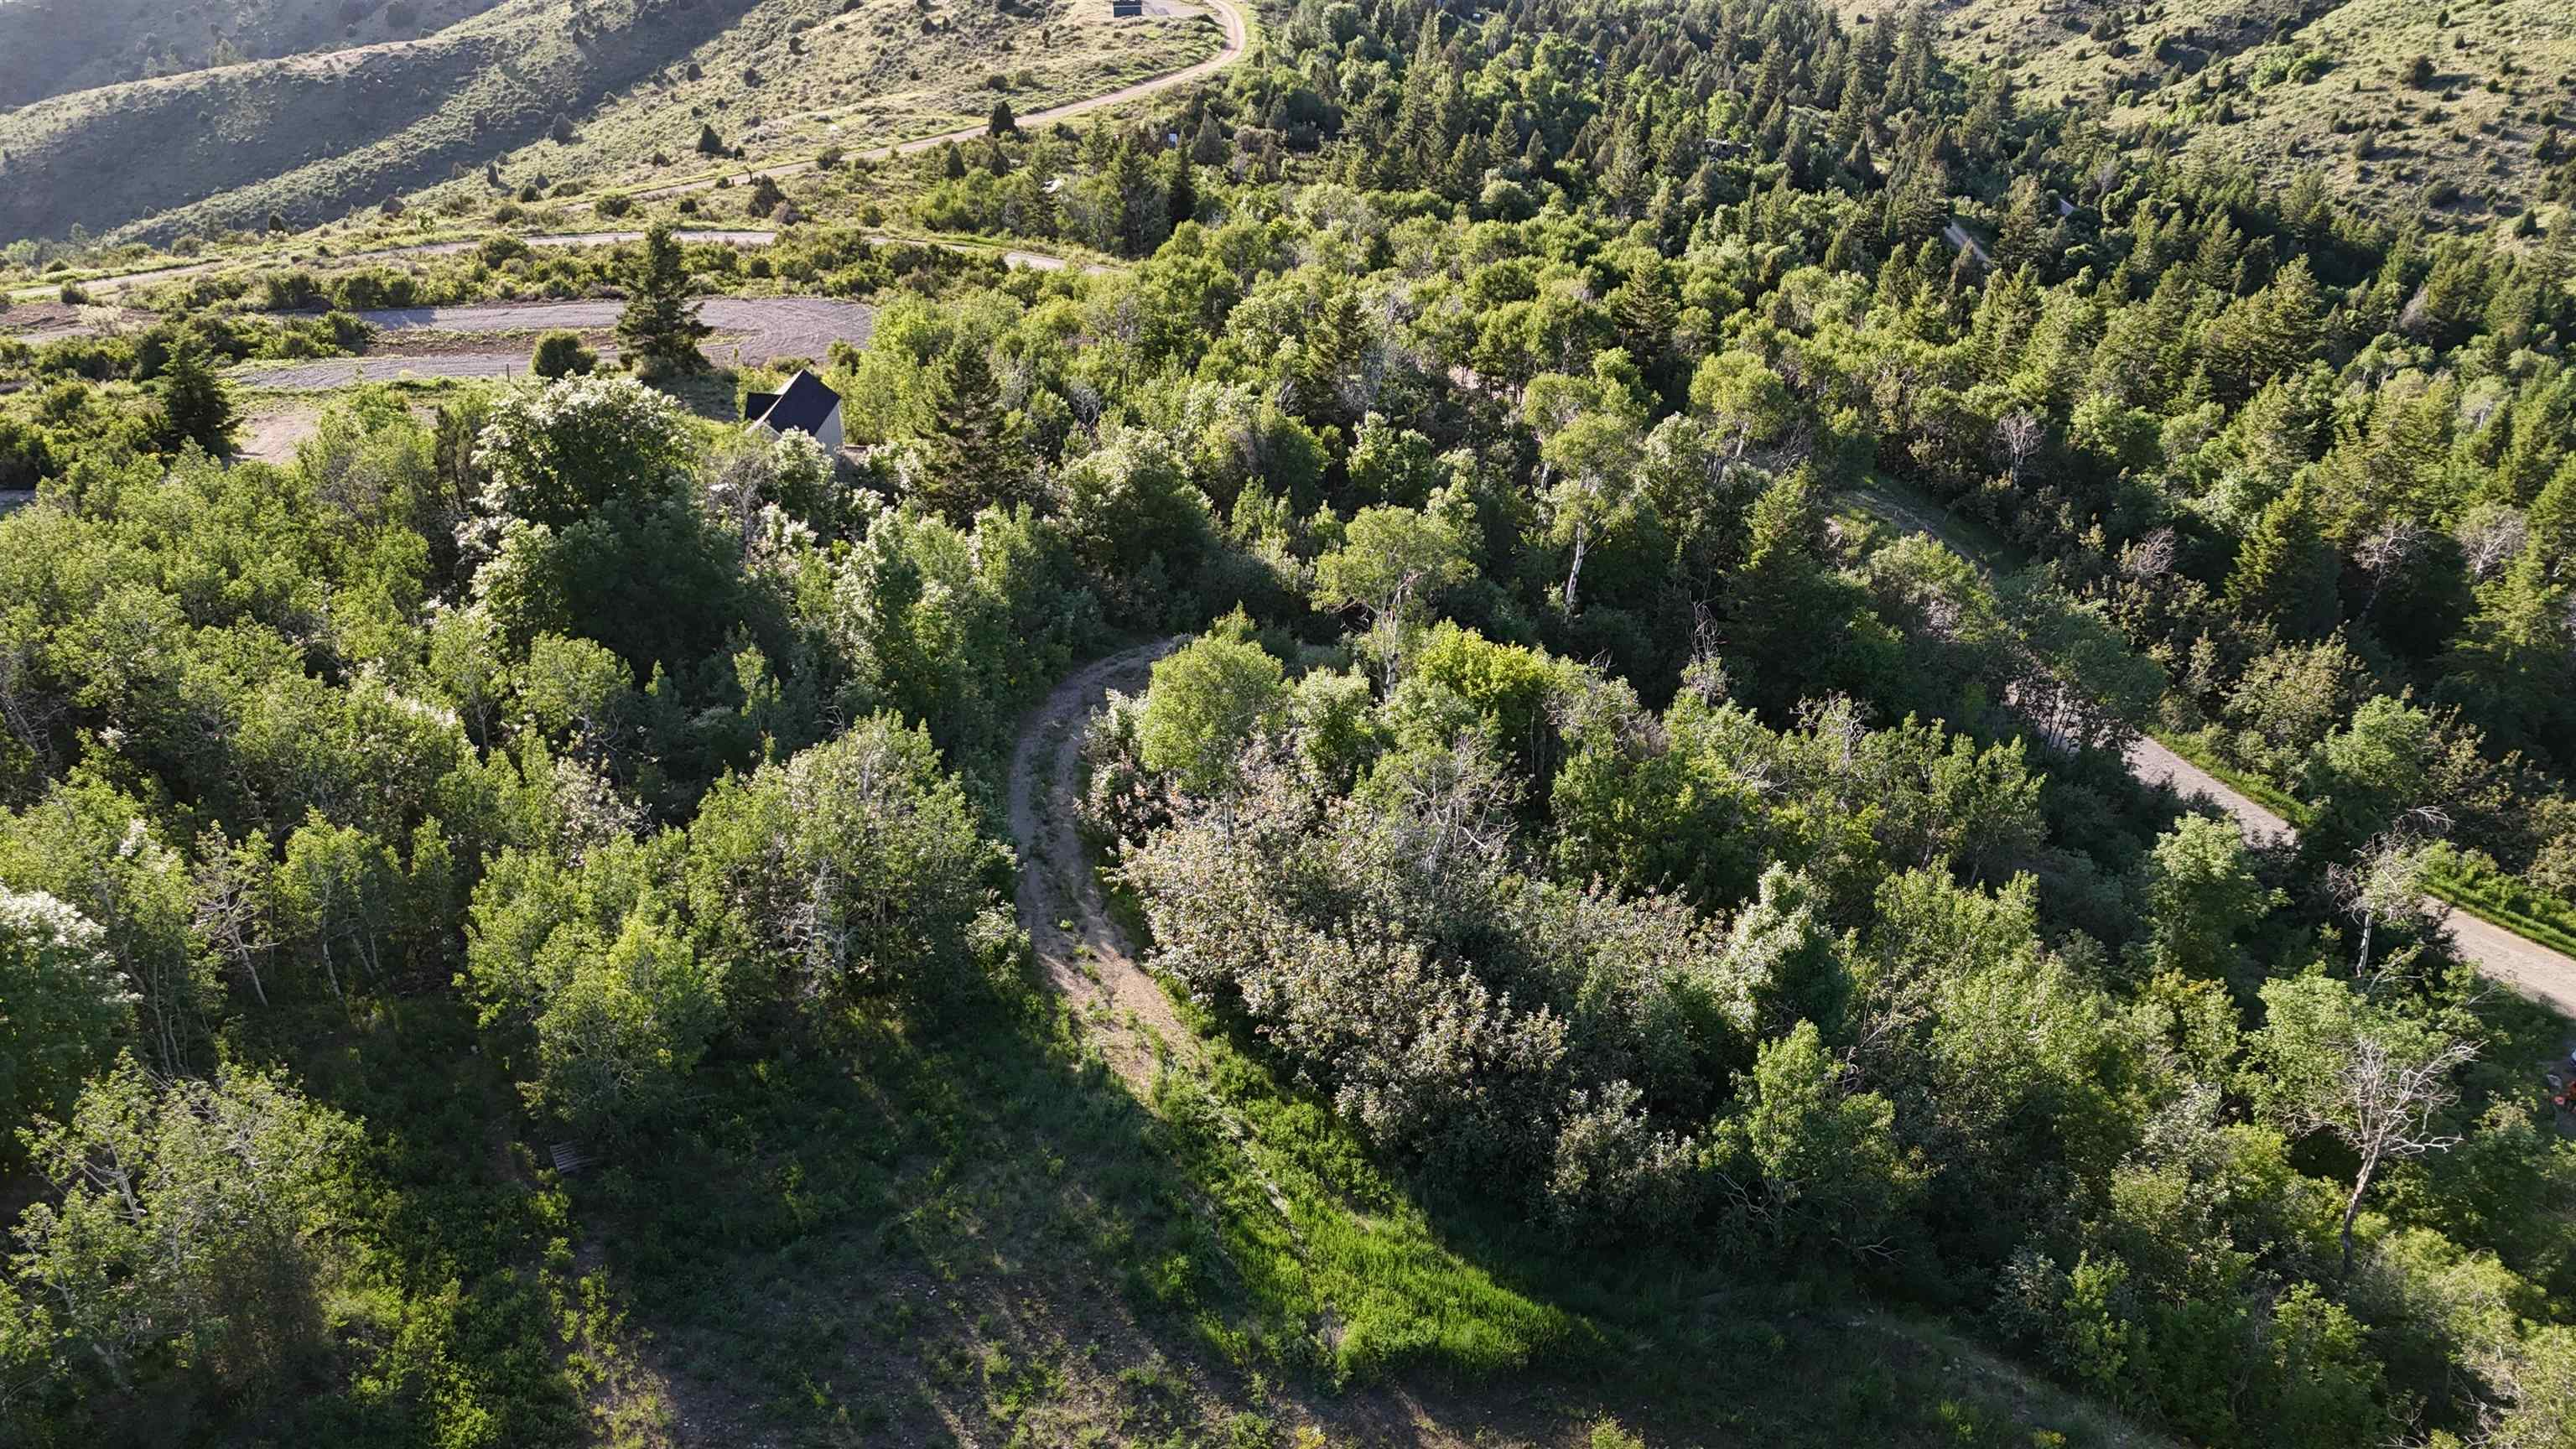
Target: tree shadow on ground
<point>973,1232</point>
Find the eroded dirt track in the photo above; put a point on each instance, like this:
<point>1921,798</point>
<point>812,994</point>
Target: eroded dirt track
<point>1228,15</point>
<point>1084,955</point>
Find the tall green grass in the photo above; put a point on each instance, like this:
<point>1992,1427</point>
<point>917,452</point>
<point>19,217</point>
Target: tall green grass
<point>1341,1271</point>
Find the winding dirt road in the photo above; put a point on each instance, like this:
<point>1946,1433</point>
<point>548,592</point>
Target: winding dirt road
<point>2544,975</point>
<point>1229,14</point>
<point>1237,32</point>
<point>2153,764</point>
<point>722,236</point>
<point>1084,956</point>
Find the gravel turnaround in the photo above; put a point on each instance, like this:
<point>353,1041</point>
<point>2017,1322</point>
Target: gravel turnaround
<point>767,328</point>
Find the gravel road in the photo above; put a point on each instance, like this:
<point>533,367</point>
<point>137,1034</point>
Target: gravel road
<point>769,327</point>
<point>2156,765</point>
<point>348,371</point>
<point>1227,15</point>
<point>2544,975</point>
<point>1237,29</point>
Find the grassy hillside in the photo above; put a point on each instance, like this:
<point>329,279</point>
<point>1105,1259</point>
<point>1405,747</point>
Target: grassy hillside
<point>2326,85</point>
<point>618,81</point>
<point>55,47</point>
<point>780,83</point>
<point>313,136</point>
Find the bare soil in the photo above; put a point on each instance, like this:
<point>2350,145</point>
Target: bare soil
<point>1083,953</point>
<point>272,433</point>
<point>460,341</point>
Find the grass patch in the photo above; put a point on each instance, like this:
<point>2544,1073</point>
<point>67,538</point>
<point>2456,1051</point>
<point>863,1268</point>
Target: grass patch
<point>1329,1250</point>
<point>2477,887</point>
<point>2253,787</point>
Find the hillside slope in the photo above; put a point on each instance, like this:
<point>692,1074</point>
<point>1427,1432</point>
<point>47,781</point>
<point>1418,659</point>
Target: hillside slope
<point>546,92</point>
<point>55,47</point>
<point>2327,85</point>
<point>314,136</point>
<point>780,82</point>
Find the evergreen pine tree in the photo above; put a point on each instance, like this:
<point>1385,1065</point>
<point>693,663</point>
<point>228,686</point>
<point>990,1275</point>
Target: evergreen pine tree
<point>2285,571</point>
<point>1860,165</point>
<point>1466,173</point>
<point>977,462</point>
<point>1851,117</point>
<point>1144,215</point>
<point>1183,190</point>
<point>660,328</point>
<point>1778,604</point>
<point>1504,142</point>
<point>1847,252</point>
<point>1208,147</point>
<point>1002,122</point>
<point>1336,346</point>
<point>196,407</point>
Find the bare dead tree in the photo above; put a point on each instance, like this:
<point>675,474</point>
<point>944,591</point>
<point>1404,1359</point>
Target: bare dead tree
<point>2491,537</point>
<point>2019,433</point>
<point>2386,550</point>
<point>2385,881</point>
<point>2151,557</point>
<point>2383,1099</point>
<point>231,907</point>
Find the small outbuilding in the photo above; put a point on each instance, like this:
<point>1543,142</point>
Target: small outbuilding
<point>805,405</point>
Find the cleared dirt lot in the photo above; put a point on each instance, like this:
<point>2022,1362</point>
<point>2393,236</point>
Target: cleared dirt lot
<point>757,329</point>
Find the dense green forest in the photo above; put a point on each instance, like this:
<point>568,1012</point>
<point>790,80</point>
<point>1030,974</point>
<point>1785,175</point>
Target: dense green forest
<point>1661,522</point>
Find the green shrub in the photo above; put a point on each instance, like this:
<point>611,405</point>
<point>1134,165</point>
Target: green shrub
<point>562,354</point>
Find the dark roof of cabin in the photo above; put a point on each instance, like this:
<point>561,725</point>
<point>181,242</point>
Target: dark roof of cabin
<point>803,405</point>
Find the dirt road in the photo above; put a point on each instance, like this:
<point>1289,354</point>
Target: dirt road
<point>758,237</point>
<point>180,272</point>
<point>2153,763</point>
<point>777,326</point>
<point>1228,15</point>
<point>758,328</point>
<point>1084,955</point>
<point>2544,975</point>
<point>732,237</point>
